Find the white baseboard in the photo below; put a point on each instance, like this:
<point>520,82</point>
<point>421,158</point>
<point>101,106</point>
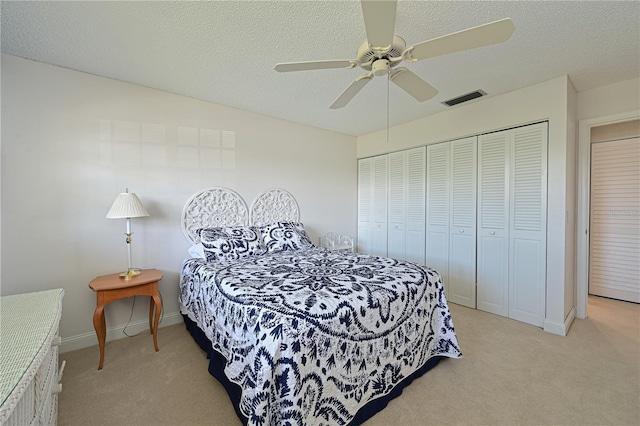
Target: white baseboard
<point>86,340</point>
<point>558,328</point>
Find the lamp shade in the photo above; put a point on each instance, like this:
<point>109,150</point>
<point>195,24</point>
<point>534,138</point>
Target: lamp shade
<point>127,205</point>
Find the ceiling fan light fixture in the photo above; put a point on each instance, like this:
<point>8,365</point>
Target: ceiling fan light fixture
<point>380,67</point>
<point>366,56</point>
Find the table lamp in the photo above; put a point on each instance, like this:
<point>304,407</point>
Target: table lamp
<point>126,206</point>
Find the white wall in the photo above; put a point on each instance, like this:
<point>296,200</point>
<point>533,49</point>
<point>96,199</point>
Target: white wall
<point>608,100</point>
<point>550,101</point>
<point>570,236</point>
<point>624,130</point>
<point>72,141</point>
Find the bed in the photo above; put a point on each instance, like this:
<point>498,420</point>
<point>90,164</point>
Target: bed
<point>299,334</point>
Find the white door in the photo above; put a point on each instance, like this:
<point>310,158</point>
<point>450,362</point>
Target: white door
<point>379,213</point>
<point>493,223</point>
<point>365,204</point>
<point>372,205</point>
<point>528,223</point>
<point>512,206</point>
<point>614,263</point>
<point>406,206</point>
<point>437,238</point>
<point>462,228</point>
<point>397,205</point>
<point>415,202</point>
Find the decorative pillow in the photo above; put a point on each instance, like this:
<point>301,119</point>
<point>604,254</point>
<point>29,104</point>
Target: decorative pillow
<point>303,234</point>
<point>230,243</point>
<point>285,236</point>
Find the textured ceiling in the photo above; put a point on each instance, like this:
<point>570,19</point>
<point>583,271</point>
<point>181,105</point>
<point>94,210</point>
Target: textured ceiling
<point>225,51</point>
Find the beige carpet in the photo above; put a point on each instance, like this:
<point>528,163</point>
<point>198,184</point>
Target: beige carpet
<point>512,373</point>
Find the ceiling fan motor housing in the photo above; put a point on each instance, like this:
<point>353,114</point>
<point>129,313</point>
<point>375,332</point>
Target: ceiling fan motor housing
<point>367,56</point>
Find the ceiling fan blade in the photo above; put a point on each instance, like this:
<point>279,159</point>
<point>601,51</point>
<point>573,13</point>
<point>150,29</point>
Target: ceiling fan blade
<point>482,35</point>
<point>351,91</point>
<point>412,84</point>
<point>315,65</point>
<point>380,22</point>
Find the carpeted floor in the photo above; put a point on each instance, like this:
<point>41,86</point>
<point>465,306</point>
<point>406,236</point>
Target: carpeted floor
<point>511,374</point>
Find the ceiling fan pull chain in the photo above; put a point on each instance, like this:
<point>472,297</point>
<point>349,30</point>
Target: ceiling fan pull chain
<point>388,78</point>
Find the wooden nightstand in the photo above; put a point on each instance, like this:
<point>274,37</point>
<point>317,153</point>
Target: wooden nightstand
<point>110,288</point>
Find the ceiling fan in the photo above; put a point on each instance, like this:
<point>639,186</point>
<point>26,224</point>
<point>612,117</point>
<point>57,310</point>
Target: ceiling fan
<point>383,51</point>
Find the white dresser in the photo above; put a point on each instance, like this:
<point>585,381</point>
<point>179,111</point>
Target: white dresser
<point>29,375</point>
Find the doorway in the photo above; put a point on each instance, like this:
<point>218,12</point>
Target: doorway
<point>586,128</point>
<point>614,213</point>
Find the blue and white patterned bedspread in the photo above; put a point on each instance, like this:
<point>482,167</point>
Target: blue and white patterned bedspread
<point>312,336</point>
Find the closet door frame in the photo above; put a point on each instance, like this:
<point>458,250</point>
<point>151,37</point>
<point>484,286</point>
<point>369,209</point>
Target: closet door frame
<point>584,201</point>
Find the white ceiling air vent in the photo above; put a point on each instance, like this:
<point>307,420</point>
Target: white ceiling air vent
<point>465,98</point>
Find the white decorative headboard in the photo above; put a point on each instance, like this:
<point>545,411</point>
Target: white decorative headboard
<point>220,207</point>
<point>274,205</point>
<point>213,207</point>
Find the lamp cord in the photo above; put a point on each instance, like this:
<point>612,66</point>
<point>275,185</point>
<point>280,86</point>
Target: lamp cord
<point>124,330</point>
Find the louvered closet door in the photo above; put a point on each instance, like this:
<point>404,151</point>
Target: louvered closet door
<point>372,205</point>
<point>614,266</point>
<point>415,202</point>
<point>462,232</point>
<point>379,227</point>
<point>365,204</point>
<point>438,212</point>
<point>493,223</point>
<point>528,226</point>
<point>406,205</point>
<point>397,207</point>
